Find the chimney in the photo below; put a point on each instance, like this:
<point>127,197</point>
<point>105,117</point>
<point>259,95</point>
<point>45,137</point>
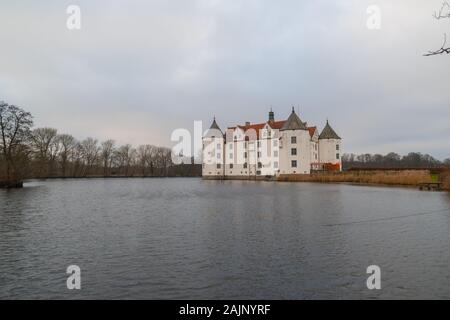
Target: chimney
<point>247,123</point>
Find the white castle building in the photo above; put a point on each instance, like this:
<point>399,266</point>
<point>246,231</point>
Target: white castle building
<point>272,148</point>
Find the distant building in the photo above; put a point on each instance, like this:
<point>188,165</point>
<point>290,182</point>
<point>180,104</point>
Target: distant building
<point>270,149</point>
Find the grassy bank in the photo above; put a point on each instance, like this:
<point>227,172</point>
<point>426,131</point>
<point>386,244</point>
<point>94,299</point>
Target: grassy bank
<point>404,177</point>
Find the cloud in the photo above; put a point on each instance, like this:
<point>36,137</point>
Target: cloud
<point>139,69</point>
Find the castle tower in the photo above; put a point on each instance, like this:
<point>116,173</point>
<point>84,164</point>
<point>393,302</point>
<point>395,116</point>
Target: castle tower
<point>330,149</point>
<point>295,153</point>
<point>213,151</point>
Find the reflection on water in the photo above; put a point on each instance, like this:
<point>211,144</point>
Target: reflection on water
<point>188,238</point>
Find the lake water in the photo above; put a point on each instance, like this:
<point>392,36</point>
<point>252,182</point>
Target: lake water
<point>192,239</point>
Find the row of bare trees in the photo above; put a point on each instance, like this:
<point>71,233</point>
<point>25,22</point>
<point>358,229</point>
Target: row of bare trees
<point>61,155</point>
<point>392,160</point>
<point>44,153</point>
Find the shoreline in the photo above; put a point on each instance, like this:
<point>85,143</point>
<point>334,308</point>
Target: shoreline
<point>414,178</point>
<point>347,178</point>
<point>356,184</point>
<point>359,184</point>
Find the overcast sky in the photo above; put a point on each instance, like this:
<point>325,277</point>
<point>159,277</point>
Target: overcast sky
<point>137,70</point>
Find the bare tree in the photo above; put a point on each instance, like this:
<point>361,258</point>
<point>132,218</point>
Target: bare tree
<point>90,150</point>
<point>107,152</point>
<point>447,162</point>
<point>78,162</point>
<point>145,157</point>
<point>67,144</point>
<point>42,139</point>
<point>15,126</point>
<point>443,13</point>
<point>125,156</point>
<point>163,159</point>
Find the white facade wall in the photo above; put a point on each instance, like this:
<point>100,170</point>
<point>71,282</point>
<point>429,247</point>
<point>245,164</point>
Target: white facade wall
<point>302,158</point>
<point>315,151</point>
<point>269,156</point>
<point>330,151</point>
<point>251,157</point>
<point>213,150</point>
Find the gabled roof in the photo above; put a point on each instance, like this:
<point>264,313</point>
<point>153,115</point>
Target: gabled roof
<point>257,127</point>
<point>294,123</point>
<point>276,124</point>
<point>312,130</point>
<point>328,133</point>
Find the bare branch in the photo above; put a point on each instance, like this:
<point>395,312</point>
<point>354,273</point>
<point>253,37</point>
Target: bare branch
<point>441,14</point>
<point>442,50</point>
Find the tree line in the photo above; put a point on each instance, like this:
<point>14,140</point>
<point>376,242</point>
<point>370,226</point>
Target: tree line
<point>28,152</point>
<point>392,160</point>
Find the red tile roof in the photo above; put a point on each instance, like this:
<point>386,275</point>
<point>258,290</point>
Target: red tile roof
<point>274,125</point>
<point>311,131</point>
<point>277,124</point>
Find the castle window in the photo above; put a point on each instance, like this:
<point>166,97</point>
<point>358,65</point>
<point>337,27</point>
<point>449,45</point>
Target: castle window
<point>315,155</point>
<point>275,153</point>
<point>337,147</point>
<point>259,165</point>
<point>293,152</point>
<point>337,156</point>
<point>275,143</point>
<point>245,155</point>
<point>259,154</point>
<point>245,165</point>
<point>218,156</point>
<point>231,146</point>
<point>219,166</point>
<point>231,156</point>
<point>231,166</point>
<point>293,139</point>
<point>218,146</point>
<point>259,144</point>
<point>275,164</point>
<point>294,163</point>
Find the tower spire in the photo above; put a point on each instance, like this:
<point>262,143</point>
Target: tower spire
<point>271,115</point>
